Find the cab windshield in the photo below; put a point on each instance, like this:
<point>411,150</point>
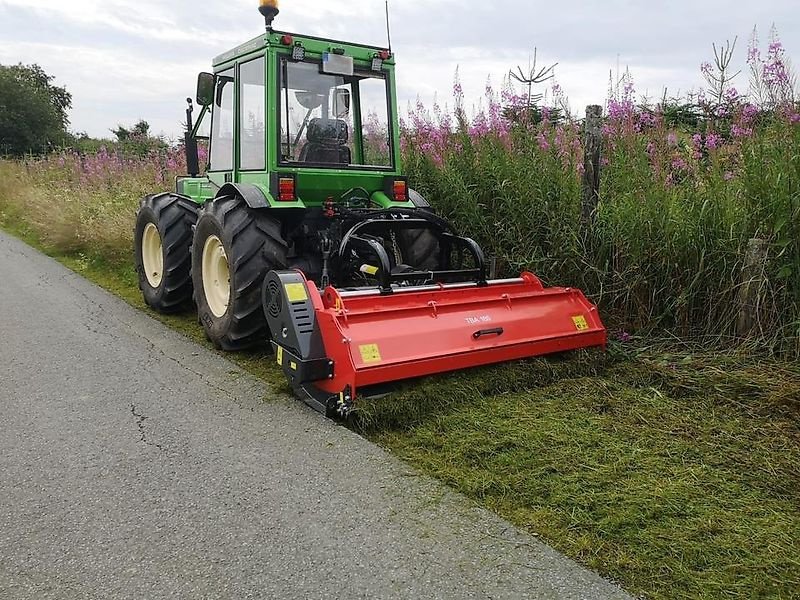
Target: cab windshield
<point>334,121</point>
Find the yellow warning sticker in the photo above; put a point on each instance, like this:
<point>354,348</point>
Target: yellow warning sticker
<point>580,323</point>
<point>280,356</point>
<point>296,292</point>
<point>293,365</point>
<point>369,269</point>
<point>370,354</point>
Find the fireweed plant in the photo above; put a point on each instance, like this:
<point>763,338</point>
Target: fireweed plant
<point>685,185</point>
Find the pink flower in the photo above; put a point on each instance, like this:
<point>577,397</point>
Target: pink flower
<point>738,131</point>
<point>542,141</point>
<point>749,111</point>
<point>713,141</point>
<point>679,164</point>
<point>731,95</point>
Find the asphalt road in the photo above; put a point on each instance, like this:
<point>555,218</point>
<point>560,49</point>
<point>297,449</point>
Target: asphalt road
<point>137,464</point>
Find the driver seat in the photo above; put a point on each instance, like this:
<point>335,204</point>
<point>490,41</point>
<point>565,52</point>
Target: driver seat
<point>327,143</point>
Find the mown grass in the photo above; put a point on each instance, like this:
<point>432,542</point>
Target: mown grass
<point>670,469</point>
<point>674,475</point>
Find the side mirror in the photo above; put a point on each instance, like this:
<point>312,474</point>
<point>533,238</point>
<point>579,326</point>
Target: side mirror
<point>205,89</point>
<point>341,103</point>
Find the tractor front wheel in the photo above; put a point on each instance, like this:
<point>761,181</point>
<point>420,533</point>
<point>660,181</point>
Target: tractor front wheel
<point>234,248</point>
<point>163,237</point>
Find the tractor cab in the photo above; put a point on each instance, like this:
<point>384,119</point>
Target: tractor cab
<point>303,120</point>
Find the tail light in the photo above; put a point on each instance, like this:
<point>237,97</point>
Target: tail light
<point>397,189</point>
<point>284,187</point>
<point>400,191</point>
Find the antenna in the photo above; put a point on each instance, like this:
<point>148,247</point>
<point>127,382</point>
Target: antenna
<point>388,27</point>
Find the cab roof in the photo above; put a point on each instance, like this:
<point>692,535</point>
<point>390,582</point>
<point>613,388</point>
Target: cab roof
<point>313,45</point>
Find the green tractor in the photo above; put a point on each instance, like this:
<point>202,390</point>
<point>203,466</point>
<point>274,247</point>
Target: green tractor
<point>303,231</point>
<point>304,173</point>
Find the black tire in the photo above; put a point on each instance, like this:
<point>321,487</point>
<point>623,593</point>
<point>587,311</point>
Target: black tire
<point>174,217</point>
<point>254,246</point>
<point>420,248</point>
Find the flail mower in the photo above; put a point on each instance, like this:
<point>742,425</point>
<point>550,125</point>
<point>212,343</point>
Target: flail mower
<point>304,231</point>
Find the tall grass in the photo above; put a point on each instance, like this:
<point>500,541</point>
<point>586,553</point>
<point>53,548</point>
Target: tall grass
<point>679,204</point>
<point>84,205</point>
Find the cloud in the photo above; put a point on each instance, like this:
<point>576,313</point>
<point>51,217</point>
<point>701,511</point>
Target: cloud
<point>125,59</point>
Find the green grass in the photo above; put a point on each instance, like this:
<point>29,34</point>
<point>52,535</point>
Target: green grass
<point>677,483</point>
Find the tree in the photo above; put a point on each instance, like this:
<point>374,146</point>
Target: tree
<point>140,131</point>
<point>33,111</point>
<point>137,140</point>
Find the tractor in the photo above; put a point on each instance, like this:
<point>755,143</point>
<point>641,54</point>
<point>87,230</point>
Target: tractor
<point>303,232</point>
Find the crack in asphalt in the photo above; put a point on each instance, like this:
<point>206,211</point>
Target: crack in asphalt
<point>94,313</point>
<point>98,311</point>
<point>140,421</point>
<point>202,376</point>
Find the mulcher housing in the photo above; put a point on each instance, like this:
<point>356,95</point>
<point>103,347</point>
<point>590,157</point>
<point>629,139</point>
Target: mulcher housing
<point>306,233</point>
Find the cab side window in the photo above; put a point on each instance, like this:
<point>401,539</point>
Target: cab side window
<point>252,115</point>
<point>222,124</point>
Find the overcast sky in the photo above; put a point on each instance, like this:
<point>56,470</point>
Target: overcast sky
<point>125,60</point>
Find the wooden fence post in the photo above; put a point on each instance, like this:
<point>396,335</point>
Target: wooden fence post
<point>593,143</point>
<point>751,284</point>
<point>493,267</point>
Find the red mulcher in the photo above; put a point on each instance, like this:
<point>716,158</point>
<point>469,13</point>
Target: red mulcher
<point>335,345</point>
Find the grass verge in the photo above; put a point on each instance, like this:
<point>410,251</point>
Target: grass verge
<point>673,472</point>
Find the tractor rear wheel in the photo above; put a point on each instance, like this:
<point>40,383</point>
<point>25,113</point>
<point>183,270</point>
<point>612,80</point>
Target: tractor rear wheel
<point>163,237</point>
<point>420,249</point>
<point>234,248</point>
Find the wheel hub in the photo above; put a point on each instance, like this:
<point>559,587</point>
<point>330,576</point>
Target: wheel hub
<point>216,276</point>
<point>152,255</point>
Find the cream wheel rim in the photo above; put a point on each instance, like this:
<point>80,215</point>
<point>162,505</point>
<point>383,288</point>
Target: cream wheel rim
<point>152,255</point>
<point>216,276</point>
